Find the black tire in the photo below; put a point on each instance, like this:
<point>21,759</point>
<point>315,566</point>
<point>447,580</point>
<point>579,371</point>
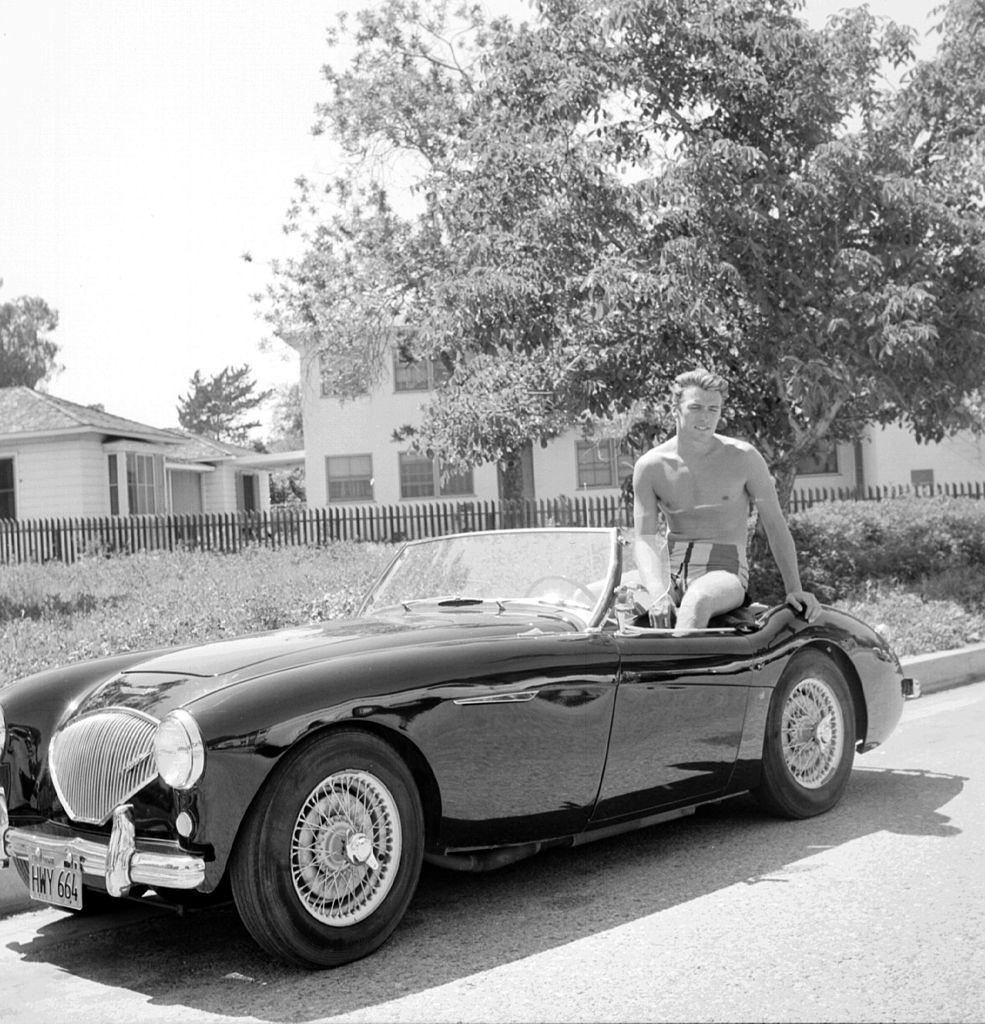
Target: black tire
<point>94,901</point>
<point>302,873</point>
<point>810,739</point>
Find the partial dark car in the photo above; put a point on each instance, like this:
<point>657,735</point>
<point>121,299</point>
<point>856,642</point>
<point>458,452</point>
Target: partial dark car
<point>497,695</point>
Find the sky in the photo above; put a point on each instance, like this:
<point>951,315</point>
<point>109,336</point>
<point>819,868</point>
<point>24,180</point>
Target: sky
<point>145,146</point>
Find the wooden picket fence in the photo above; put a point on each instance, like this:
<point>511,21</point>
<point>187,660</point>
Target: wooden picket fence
<point>65,540</point>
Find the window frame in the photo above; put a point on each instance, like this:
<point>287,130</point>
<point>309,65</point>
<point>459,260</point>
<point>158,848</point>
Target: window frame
<point>370,479</point>
<point>439,489</point>
<point>136,489</point>
<point>434,373</point>
<point>822,466</point>
<point>619,453</point>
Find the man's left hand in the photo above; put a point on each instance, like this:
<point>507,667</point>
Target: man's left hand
<point>804,604</point>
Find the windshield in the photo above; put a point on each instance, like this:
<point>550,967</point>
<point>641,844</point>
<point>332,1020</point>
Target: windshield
<point>566,568</point>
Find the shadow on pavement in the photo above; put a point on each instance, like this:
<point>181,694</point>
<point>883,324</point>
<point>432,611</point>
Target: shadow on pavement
<point>460,924</point>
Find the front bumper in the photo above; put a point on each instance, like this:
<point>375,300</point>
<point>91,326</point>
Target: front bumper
<point>120,861</point>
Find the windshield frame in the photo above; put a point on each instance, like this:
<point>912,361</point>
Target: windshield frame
<point>595,617</point>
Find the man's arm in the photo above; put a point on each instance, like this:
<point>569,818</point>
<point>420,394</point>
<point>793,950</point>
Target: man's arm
<point>650,547</point>
<point>763,493</point>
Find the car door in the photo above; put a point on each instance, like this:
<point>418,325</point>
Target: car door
<point>677,722</point>
<point>517,743</point>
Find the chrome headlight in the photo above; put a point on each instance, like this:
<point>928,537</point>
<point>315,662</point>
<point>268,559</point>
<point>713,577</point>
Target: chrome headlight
<point>179,751</point>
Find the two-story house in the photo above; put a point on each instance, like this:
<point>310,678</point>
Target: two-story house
<point>351,457</point>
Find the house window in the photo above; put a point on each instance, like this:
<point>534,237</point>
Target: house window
<point>350,477</point>
<point>823,460</point>
<point>922,481</point>
<point>145,478</point>
<point>114,486</point>
<point>423,375</point>
<point>421,477</point>
<point>8,509</point>
<point>603,463</point>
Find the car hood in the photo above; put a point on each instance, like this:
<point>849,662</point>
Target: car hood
<point>174,678</point>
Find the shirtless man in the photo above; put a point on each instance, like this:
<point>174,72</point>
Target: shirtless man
<point>703,483</point>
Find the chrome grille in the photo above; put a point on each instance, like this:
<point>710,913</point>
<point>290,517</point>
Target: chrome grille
<point>101,760</point>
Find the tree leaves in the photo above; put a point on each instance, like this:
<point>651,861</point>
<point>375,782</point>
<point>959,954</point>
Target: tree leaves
<point>217,406</point>
<point>27,354</point>
<point>617,192</point>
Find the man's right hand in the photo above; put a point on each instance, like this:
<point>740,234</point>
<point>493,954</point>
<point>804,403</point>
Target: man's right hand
<point>663,612</point>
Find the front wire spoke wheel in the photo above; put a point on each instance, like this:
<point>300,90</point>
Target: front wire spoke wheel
<point>813,733</point>
<point>345,848</point>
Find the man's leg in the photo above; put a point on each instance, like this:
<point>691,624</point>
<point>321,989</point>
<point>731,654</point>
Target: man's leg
<point>709,595</point>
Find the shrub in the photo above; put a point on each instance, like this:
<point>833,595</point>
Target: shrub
<point>841,545</point>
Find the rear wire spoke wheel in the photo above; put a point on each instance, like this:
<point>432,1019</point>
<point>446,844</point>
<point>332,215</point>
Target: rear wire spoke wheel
<point>810,739</point>
<point>330,853</point>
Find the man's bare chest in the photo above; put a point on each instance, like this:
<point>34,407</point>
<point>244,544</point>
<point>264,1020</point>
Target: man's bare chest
<point>703,485</point>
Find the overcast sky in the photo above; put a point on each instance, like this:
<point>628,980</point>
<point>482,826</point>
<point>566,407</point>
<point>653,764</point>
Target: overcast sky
<point>144,147</point>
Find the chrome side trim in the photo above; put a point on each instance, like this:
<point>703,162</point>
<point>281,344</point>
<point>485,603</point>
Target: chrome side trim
<point>172,868</point>
<point>500,698</point>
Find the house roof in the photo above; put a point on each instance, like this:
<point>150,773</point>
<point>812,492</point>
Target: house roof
<point>199,448</point>
<point>24,412</point>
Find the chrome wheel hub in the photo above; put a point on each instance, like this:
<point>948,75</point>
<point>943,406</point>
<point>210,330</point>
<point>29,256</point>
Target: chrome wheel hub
<point>345,848</point>
<point>812,733</point>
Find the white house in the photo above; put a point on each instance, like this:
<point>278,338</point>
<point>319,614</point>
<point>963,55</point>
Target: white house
<point>59,459</point>
<point>350,455</point>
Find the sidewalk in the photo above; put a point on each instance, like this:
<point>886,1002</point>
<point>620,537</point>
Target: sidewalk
<point>934,672</point>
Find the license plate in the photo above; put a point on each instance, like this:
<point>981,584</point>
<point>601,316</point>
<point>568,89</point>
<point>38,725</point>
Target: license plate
<point>55,880</point>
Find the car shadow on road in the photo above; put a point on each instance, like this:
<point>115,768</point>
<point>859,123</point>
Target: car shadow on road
<point>460,924</point>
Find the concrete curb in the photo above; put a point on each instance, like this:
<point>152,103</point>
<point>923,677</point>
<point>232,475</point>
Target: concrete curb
<point>944,669</point>
<point>934,672</point>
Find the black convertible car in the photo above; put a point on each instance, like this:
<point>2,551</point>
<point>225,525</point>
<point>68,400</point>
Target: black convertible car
<point>495,696</point>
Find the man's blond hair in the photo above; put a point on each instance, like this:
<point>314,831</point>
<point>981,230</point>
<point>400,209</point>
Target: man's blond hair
<point>699,378</point>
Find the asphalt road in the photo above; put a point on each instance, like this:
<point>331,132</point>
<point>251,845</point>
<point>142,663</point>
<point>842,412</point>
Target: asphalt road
<point>873,912</point>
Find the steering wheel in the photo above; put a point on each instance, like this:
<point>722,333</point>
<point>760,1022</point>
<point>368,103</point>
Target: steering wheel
<point>577,588</point>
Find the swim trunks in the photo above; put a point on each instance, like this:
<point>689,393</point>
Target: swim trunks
<point>690,560</point>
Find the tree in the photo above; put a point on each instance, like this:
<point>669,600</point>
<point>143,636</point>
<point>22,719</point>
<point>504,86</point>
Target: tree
<point>27,354</point>
<point>620,191</point>
<point>287,487</point>
<point>218,406</point>
<point>288,422</point>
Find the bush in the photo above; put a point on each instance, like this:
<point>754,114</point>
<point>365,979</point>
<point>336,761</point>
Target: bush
<point>843,545</point>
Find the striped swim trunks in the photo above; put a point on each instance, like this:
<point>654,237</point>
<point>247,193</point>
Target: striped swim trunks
<point>692,559</point>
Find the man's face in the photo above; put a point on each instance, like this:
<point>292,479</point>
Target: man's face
<point>698,413</point>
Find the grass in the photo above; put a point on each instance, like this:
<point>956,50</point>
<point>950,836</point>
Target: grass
<point>56,614</point>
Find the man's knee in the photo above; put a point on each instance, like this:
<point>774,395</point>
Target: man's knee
<point>708,597</point>
<point>696,610</point>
